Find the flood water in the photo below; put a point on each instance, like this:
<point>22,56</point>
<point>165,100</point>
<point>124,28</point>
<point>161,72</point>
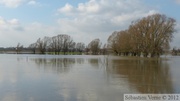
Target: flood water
<point>85,78</point>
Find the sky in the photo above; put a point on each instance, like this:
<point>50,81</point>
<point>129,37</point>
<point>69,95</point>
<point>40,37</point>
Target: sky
<point>24,21</point>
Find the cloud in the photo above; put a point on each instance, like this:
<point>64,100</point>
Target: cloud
<point>11,3</point>
<point>67,8</point>
<point>10,29</point>
<point>17,3</point>
<point>11,24</point>
<point>99,18</point>
<point>32,2</point>
<point>13,32</point>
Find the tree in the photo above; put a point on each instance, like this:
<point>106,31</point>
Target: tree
<point>67,42</point>
<point>156,32</point>
<point>19,48</point>
<point>42,44</point>
<point>119,42</point>
<point>124,41</point>
<point>80,46</point>
<point>54,44</point>
<point>94,46</point>
<point>59,43</point>
<point>149,35</point>
<point>112,42</point>
<point>72,47</point>
<point>33,47</point>
<point>104,49</point>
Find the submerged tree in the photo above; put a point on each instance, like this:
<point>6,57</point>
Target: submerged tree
<point>67,42</point>
<point>95,46</point>
<point>19,48</point>
<point>149,35</point>
<point>80,46</point>
<point>42,44</point>
<point>33,47</point>
<point>156,32</point>
<point>113,43</point>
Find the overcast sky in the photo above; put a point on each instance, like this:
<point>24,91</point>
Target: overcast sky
<point>24,21</point>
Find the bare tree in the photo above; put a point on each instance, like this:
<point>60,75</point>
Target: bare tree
<point>149,35</point>
<point>104,49</point>
<point>42,44</point>
<point>67,41</point>
<point>72,47</point>
<point>112,42</point>
<point>54,44</point>
<point>19,48</point>
<point>156,32</point>
<point>80,46</point>
<point>94,46</point>
<point>33,47</point>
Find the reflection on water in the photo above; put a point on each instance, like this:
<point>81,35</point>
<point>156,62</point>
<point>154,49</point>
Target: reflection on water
<point>83,78</point>
<point>147,76</point>
<point>59,65</point>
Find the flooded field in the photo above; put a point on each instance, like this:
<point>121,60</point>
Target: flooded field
<point>85,78</point>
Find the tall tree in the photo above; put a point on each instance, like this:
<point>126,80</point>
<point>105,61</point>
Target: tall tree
<point>42,44</point>
<point>19,48</point>
<point>112,42</point>
<point>149,35</point>
<point>54,44</point>
<point>67,41</point>
<point>94,46</point>
<point>80,46</point>
<point>156,32</point>
<point>33,47</point>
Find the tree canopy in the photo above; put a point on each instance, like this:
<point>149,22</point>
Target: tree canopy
<point>149,35</point>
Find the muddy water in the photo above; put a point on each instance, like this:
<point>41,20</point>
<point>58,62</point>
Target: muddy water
<point>84,78</point>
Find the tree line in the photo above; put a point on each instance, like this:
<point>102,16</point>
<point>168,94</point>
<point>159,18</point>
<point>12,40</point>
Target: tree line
<point>150,35</point>
<point>176,51</point>
<point>64,44</point>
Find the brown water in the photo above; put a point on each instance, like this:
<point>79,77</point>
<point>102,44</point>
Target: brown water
<point>84,78</point>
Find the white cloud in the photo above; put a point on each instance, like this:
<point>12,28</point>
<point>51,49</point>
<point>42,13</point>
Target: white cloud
<point>91,6</point>
<point>32,2</point>
<point>11,24</point>
<point>14,21</point>
<point>9,31</point>
<point>11,3</point>
<point>99,18</point>
<point>13,32</point>
<point>67,8</point>
<point>17,3</point>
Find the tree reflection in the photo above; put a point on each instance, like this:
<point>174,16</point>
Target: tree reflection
<point>99,62</point>
<point>146,75</point>
<point>94,62</point>
<point>59,65</point>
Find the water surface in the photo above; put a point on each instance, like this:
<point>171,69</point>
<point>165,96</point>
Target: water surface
<point>84,78</point>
